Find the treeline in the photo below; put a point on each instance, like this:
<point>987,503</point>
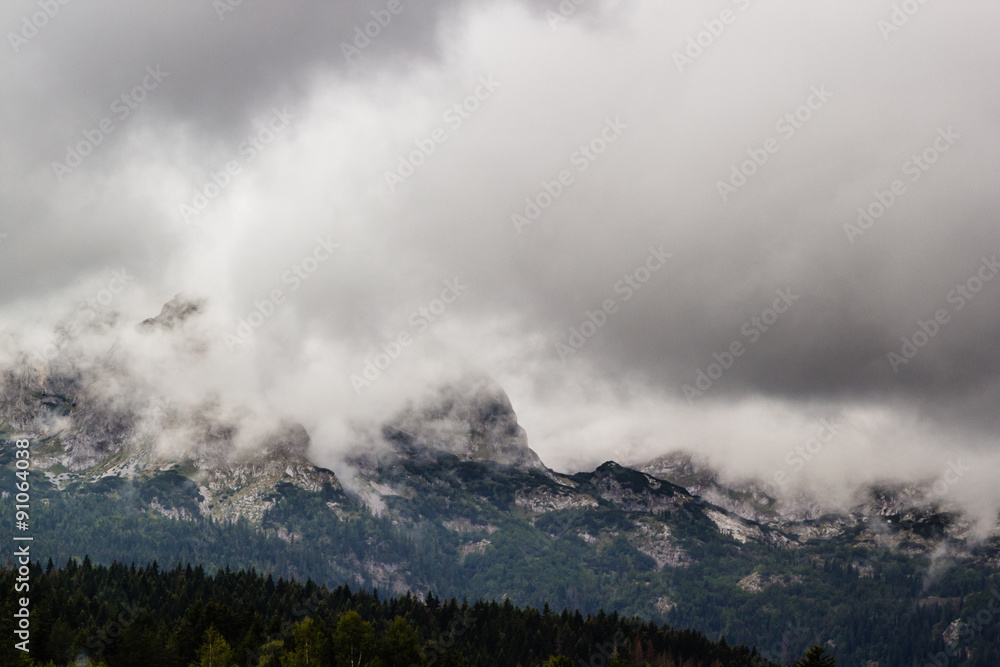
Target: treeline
<point>122,615</point>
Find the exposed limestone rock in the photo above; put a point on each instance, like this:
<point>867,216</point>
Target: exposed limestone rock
<point>548,500</point>
<point>756,582</point>
<point>739,530</point>
<point>473,548</point>
<point>664,604</point>
<point>654,540</point>
<point>173,314</point>
<point>636,492</point>
<point>464,525</point>
<point>747,499</point>
<point>472,419</point>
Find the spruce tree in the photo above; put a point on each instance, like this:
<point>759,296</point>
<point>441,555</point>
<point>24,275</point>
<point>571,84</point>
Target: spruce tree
<point>815,657</point>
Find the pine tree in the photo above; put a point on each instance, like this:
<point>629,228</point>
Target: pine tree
<point>558,661</point>
<point>815,657</point>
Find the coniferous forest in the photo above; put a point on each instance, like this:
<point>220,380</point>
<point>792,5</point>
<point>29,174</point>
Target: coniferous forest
<point>122,615</point>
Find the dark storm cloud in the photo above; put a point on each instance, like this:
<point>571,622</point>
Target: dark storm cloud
<point>80,70</point>
<point>225,65</point>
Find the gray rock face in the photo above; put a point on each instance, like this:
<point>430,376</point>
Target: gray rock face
<point>645,493</point>
<point>748,500</point>
<point>472,419</point>
<point>173,313</point>
<point>98,429</point>
<point>902,517</point>
<point>58,401</point>
<point>92,419</point>
<point>20,403</point>
<point>241,488</point>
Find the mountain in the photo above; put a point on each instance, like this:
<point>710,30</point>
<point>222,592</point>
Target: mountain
<point>472,419</point>
<point>453,500</point>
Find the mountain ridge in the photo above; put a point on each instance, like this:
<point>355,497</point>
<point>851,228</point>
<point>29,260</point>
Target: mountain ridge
<point>452,498</point>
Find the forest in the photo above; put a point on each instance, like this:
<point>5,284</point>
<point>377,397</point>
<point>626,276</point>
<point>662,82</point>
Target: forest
<point>122,615</point>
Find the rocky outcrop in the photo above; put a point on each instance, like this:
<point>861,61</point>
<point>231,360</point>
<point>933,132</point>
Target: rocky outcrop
<point>656,541</point>
<point>472,419</point>
<point>546,500</point>
<point>173,314</point>
<point>755,582</point>
<point>747,499</point>
<point>635,491</point>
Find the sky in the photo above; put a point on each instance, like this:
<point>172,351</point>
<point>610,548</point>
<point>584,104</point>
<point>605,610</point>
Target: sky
<point>703,227</point>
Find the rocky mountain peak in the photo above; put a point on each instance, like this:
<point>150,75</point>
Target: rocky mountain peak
<point>748,499</point>
<point>472,419</point>
<point>173,314</point>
